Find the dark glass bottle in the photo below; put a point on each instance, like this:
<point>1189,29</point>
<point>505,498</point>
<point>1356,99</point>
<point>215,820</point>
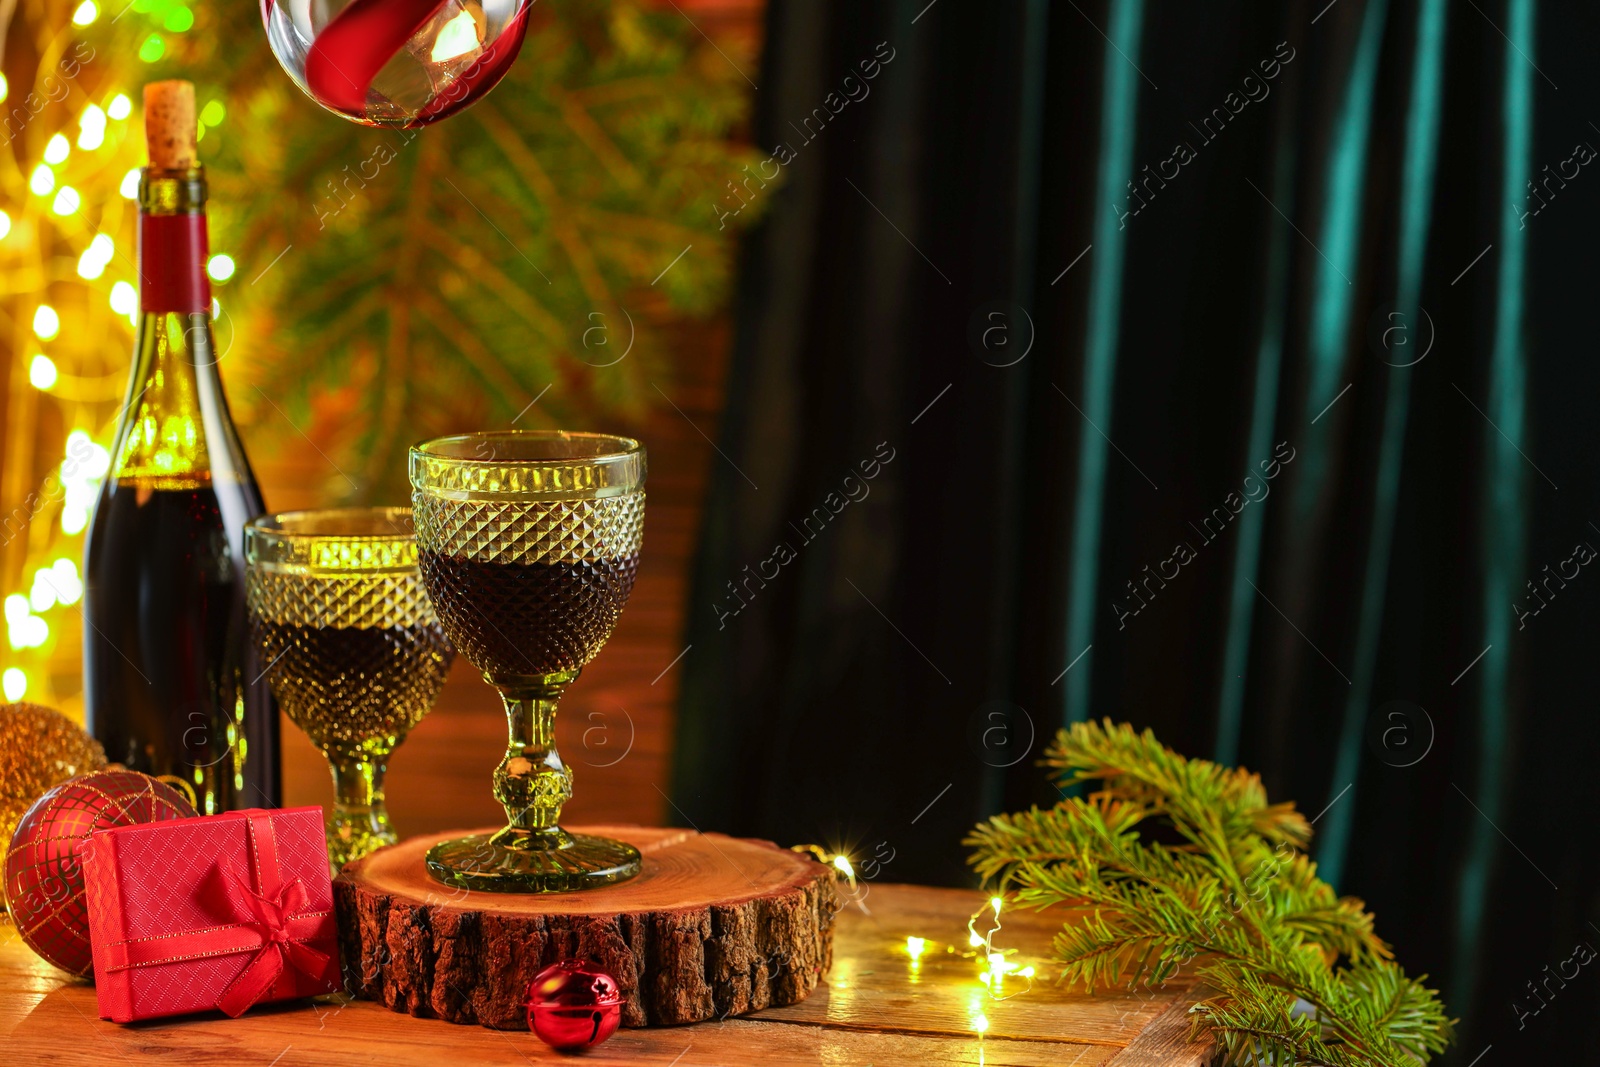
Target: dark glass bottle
<point>172,684</point>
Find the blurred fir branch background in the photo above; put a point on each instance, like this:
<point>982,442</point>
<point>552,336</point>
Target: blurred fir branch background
<point>373,287</point>
<point>399,284</point>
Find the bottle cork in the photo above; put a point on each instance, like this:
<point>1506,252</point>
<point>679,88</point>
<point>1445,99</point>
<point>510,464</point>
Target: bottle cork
<point>169,125</point>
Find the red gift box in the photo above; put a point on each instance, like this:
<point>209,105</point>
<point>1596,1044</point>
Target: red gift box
<point>223,912</point>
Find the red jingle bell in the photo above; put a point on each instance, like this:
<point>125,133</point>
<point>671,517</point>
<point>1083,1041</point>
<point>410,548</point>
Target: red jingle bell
<point>573,1005</point>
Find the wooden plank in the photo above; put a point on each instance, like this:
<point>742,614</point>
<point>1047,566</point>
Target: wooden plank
<point>1165,1043</point>
<point>873,975</point>
<point>364,1033</point>
<point>876,1007</point>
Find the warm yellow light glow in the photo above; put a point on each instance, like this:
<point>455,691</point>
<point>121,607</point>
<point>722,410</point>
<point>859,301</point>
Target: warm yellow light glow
<point>975,939</point>
<point>5,87</point>
<point>15,684</point>
<point>995,902</point>
<point>46,323</point>
<point>23,628</point>
<point>57,150</point>
<point>1026,972</point>
<point>980,1023</point>
<point>43,181</point>
<point>64,578</point>
<point>42,372</point>
<point>915,946</point>
<point>96,257</point>
<point>130,181</point>
<point>999,966</point>
<point>5,225</point>
<point>120,107</point>
<point>456,38</point>
<point>67,201</point>
<point>220,268</point>
<point>92,132</point>
<point>81,471</point>
<point>85,14</point>
<point>42,597</point>
<point>842,863</point>
<point>124,299</point>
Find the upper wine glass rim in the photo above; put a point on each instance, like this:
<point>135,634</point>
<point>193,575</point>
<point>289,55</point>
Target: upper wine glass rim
<point>338,524</point>
<point>530,447</point>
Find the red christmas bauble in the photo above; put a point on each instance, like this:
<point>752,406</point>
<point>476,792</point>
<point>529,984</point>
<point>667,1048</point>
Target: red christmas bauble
<point>400,63</point>
<point>44,878</point>
<point>573,1005</point>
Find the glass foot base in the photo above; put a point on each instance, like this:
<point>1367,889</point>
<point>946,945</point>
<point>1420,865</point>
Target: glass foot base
<point>532,861</point>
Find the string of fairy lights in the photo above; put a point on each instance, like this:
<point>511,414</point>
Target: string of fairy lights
<point>995,964</point>
<point>67,251</point>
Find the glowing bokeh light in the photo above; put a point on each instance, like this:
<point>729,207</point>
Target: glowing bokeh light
<point>46,323</point>
<point>124,299</point>
<point>42,372</point>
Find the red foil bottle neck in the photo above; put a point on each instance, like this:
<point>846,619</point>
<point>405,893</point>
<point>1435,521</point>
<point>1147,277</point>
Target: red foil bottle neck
<point>173,250</point>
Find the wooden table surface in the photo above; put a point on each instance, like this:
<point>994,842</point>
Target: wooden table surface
<point>875,1007</point>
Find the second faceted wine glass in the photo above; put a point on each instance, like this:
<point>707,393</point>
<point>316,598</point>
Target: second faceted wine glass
<point>529,544</point>
<point>354,652</point>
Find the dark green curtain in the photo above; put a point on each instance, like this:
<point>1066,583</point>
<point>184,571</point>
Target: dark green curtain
<point>1224,368</point>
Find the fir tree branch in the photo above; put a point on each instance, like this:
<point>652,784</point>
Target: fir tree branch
<point>594,137</point>
<point>1236,901</point>
<point>526,162</point>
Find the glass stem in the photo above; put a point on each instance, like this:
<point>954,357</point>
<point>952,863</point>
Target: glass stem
<point>359,814</point>
<point>531,781</point>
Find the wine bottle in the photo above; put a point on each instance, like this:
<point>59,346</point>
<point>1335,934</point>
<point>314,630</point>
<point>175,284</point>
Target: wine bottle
<point>172,683</point>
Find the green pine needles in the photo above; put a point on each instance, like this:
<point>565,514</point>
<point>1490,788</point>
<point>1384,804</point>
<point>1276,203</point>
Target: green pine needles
<point>1296,973</point>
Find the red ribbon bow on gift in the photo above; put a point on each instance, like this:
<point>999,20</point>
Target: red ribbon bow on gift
<point>278,922</point>
<point>272,924</point>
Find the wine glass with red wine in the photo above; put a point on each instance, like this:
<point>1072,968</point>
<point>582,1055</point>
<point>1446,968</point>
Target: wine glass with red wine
<point>354,652</point>
<point>528,545</point>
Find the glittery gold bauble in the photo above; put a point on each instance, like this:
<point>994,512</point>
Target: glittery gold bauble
<point>39,748</point>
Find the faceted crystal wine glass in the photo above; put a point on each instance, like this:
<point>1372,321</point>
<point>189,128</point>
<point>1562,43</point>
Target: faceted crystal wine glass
<point>355,654</point>
<point>529,545</point>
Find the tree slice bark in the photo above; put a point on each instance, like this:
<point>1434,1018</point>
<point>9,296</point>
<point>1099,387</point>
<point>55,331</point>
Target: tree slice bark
<point>714,926</point>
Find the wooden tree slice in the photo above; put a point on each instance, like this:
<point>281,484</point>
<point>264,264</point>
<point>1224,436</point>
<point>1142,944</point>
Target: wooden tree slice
<point>714,926</point>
